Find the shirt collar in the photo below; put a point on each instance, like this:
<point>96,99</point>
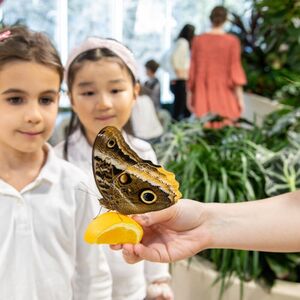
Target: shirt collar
<point>49,173</point>
<point>51,168</point>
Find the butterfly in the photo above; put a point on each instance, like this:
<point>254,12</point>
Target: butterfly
<point>127,183</point>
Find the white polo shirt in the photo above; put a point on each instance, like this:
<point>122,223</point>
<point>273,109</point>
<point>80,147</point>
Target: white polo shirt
<point>129,280</point>
<point>42,252</point>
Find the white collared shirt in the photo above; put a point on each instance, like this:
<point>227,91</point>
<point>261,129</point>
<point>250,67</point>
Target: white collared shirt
<point>129,280</point>
<point>42,252</point>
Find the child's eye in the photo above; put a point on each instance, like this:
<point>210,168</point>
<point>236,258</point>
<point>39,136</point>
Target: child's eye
<point>88,93</point>
<point>115,91</point>
<point>15,100</point>
<point>46,100</point>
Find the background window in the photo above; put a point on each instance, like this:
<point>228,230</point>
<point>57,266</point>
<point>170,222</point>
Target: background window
<point>148,28</point>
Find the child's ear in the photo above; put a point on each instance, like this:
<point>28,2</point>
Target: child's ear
<point>136,90</point>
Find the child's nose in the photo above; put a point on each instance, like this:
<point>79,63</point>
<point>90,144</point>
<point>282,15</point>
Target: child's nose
<point>33,114</point>
<point>103,102</point>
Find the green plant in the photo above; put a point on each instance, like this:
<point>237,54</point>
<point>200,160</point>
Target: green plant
<point>282,129</point>
<point>289,94</point>
<point>236,164</point>
<point>271,46</point>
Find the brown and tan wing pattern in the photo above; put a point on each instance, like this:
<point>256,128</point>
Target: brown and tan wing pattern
<point>127,183</point>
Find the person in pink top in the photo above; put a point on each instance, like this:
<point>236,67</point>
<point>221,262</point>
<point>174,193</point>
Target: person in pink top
<point>216,75</point>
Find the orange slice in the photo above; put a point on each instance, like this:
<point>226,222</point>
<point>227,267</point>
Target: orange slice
<point>113,228</point>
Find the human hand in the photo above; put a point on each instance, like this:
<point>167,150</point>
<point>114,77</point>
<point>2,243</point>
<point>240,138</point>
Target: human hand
<point>170,234</point>
<point>241,106</point>
<point>189,104</point>
<point>240,98</point>
<point>159,291</point>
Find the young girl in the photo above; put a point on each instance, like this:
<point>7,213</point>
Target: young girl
<point>102,81</point>
<point>43,213</point>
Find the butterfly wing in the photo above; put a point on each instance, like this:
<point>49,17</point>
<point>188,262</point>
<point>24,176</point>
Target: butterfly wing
<point>142,188</point>
<point>126,182</point>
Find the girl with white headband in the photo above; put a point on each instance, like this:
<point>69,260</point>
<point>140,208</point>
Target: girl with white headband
<point>101,75</point>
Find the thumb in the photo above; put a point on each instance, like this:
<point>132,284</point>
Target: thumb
<point>156,217</point>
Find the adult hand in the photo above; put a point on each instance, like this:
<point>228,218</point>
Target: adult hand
<point>189,104</point>
<point>242,106</point>
<point>170,234</point>
<point>240,98</point>
<point>188,227</point>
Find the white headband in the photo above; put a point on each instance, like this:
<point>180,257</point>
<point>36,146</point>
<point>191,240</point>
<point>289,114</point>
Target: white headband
<point>93,43</point>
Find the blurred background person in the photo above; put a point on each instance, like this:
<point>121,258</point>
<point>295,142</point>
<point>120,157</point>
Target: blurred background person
<point>144,119</point>
<point>216,75</point>
<point>180,61</point>
<point>152,84</point>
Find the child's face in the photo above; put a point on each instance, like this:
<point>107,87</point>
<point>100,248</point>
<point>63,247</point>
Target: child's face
<point>149,73</point>
<point>102,95</point>
<point>29,94</point>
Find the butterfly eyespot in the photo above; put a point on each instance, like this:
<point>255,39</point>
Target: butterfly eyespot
<point>148,197</point>
<point>111,143</point>
<point>124,178</point>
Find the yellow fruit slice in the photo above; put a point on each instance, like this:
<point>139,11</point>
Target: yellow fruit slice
<point>113,228</point>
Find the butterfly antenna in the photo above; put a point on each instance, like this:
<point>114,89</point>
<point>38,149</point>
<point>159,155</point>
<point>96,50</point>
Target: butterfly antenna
<point>87,189</point>
<point>87,192</point>
<point>99,209</point>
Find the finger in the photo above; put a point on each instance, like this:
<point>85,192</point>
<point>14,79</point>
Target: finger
<point>156,217</point>
<point>130,255</point>
<point>116,247</point>
<point>131,258</point>
<point>147,253</point>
